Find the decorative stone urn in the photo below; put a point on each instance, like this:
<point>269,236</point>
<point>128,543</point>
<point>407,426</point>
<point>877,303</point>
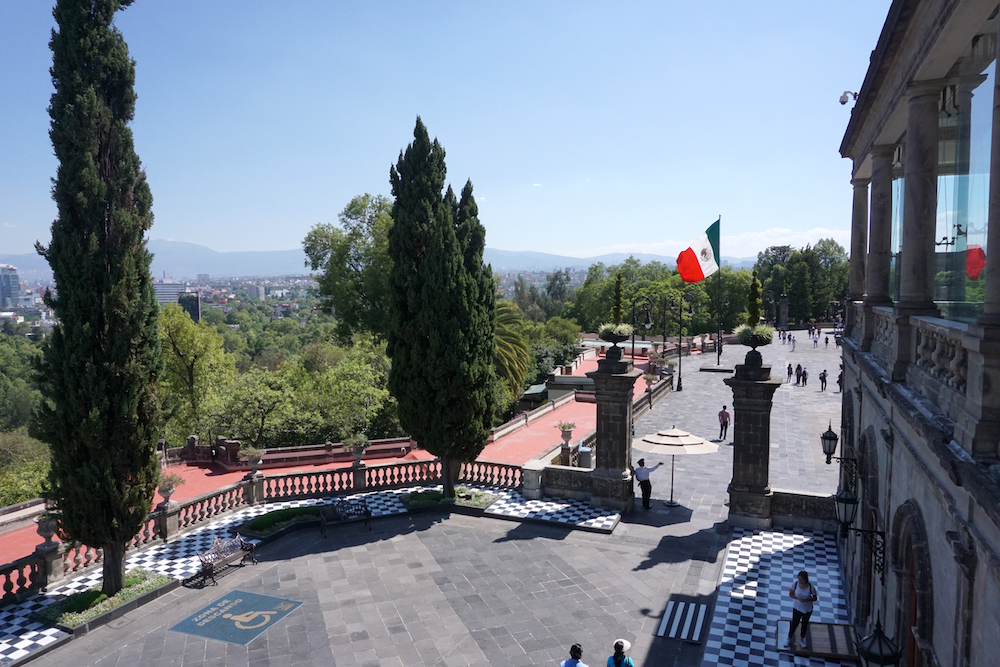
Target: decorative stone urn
<point>566,436</point>
<point>47,527</point>
<point>166,492</point>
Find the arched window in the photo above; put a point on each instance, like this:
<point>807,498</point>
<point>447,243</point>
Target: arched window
<point>912,565</point>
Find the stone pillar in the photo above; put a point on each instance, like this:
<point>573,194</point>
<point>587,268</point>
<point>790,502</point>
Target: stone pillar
<point>611,480</point>
<point>916,288</point>
<point>750,491</point>
<point>531,479</point>
<point>981,426</point>
<point>783,312</point>
<point>360,475</point>
<point>879,240</point>
<point>168,519</point>
<point>52,563</point>
<point>859,251</point>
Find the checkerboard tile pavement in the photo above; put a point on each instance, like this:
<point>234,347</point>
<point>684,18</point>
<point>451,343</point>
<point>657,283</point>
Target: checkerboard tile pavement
<point>20,635</point>
<point>759,568</point>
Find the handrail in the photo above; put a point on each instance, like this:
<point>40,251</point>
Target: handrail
<point>21,578</point>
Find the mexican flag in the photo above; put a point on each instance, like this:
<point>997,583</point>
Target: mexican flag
<point>702,259</point>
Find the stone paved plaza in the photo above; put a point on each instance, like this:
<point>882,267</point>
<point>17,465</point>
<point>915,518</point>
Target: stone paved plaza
<point>432,589</point>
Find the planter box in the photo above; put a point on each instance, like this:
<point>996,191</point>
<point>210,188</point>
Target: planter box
<point>117,612</point>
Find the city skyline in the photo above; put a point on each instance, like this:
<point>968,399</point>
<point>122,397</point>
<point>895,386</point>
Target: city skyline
<point>570,120</point>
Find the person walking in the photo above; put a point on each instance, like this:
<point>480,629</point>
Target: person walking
<point>793,343</point>
<point>790,372</point>
<point>619,659</point>
<point>822,380</point>
<point>840,382</point>
<point>642,474</point>
<point>798,374</point>
<point>815,341</point>
<point>805,376</point>
<point>575,657</point>
<point>804,594</point>
<point>826,342</point>
<point>723,423</point>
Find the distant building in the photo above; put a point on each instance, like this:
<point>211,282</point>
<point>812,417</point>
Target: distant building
<point>167,291</point>
<point>10,286</point>
<point>203,278</point>
<point>256,292</point>
<point>191,303</point>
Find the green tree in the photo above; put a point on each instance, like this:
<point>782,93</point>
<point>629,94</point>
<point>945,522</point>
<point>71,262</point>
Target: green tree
<point>513,357</point>
<point>442,340</point>
<point>800,304</point>
<point>100,370</point>
<point>753,300</point>
<point>355,265</point>
<point>616,299</point>
<point>196,370</point>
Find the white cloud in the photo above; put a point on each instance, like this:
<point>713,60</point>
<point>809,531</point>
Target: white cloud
<point>9,226</point>
<point>536,185</point>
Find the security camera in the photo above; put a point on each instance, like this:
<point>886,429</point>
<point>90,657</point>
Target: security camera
<point>846,97</point>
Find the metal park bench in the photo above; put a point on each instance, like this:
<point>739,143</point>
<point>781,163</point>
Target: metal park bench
<point>223,553</point>
<point>342,510</point>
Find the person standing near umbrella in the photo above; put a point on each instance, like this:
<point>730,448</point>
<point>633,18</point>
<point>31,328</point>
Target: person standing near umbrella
<point>723,423</point>
<point>642,474</point>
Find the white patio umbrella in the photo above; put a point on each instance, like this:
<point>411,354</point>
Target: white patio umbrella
<point>674,442</point>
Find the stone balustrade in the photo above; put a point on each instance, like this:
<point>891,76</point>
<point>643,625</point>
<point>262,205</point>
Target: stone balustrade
<point>939,351</point>
<point>54,560</point>
<point>882,335</point>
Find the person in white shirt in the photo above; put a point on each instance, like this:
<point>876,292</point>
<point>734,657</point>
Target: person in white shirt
<point>642,474</point>
<point>804,595</point>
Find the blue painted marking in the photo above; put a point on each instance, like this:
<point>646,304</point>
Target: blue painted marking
<point>238,618</point>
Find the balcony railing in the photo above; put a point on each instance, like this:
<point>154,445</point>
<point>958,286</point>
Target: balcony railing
<point>882,335</point>
<point>940,353</point>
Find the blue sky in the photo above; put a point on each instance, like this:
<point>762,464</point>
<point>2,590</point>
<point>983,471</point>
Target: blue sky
<point>585,127</point>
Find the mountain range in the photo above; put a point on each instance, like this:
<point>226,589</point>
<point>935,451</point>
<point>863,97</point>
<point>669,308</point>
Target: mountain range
<point>184,261</point>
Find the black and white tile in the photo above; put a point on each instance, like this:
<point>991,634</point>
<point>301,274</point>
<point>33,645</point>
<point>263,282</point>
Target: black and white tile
<point>760,566</point>
<point>512,505</point>
<point>178,559</point>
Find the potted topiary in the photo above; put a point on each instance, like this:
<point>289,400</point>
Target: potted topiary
<point>566,431</point>
<point>614,333</point>
<point>753,336</point>
<point>168,483</point>
<point>253,456</point>
<point>356,444</point>
<point>650,378</point>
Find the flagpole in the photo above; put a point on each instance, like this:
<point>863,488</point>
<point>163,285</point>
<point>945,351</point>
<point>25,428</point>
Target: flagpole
<point>718,306</point>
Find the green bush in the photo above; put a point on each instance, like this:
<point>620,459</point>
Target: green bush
<point>22,481</point>
<point>85,605</point>
<point>278,519</point>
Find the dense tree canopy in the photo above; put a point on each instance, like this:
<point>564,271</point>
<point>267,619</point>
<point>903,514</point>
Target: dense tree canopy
<point>353,261</point>
<point>442,339</point>
<point>100,368</point>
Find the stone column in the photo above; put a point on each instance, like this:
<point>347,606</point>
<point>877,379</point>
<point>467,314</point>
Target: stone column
<point>879,239</point>
<point>859,251</point>
<point>981,427</point>
<point>611,479</point>
<point>783,312</point>
<point>916,289</point>
<point>916,268</point>
<point>750,491</point>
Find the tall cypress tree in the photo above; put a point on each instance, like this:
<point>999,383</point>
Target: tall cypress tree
<point>441,339</point>
<point>99,372</point>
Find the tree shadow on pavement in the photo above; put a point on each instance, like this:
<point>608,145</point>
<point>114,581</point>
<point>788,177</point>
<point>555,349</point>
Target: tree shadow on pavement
<point>704,545</point>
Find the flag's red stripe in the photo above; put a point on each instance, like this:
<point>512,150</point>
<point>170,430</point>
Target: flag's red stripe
<point>689,267</point>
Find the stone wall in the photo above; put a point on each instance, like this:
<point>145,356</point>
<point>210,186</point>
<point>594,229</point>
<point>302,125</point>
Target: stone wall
<point>802,510</point>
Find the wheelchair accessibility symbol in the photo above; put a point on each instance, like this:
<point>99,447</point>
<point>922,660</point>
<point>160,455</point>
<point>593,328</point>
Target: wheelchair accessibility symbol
<point>245,621</point>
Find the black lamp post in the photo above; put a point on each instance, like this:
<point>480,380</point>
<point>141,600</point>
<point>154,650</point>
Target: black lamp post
<point>877,649</point>
<point>648,324</point>
<point>718,333</point>
<point>846,503</point>
<point>679,304</point>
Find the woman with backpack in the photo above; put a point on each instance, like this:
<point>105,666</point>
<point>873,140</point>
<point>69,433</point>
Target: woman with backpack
<point>804,595</point>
